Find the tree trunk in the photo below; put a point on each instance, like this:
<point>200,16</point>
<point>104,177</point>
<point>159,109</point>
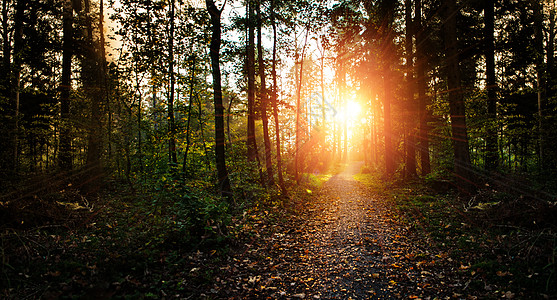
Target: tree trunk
<point>16,69</point>
<point>171,124</point>
<point>104,76</point>
<point>344,100</point>
<point>275,100</point>
<point>462,165</point>
<point>550,47</point>
<point>92,78</point>
<point>64,156</point>
<point>192,81</point>
<point>251,142</point>
<point>264,100</point>
<point>410,137</point>
<point>491,159</point>
<point>298,108</point>
<point>6,47</point>
<point>538,46</point>
<point>220,155</point>
<point>389,149</point>
<point>422,88</point>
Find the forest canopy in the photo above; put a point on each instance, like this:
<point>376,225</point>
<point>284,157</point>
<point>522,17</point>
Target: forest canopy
<point>125,89</point>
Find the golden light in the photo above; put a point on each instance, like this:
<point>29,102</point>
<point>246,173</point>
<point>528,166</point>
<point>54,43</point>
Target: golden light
<point>349,112</point>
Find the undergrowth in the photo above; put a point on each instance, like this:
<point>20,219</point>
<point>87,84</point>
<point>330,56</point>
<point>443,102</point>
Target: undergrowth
<point>165,236</point>
<point>501,256</point>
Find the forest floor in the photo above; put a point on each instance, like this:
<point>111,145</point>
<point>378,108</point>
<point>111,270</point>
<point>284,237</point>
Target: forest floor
<point>345,244</point>
<point>347,236</point>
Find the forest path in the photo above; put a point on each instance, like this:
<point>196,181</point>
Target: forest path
<point>345,245</point>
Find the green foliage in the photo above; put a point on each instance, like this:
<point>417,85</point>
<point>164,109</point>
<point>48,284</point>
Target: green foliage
<point>189,210</point>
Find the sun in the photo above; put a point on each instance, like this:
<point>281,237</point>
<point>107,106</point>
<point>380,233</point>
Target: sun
<point>353,110</point>
<point>349,112</point>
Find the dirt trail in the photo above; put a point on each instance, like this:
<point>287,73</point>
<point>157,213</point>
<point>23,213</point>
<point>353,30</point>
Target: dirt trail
<point>347,246</point>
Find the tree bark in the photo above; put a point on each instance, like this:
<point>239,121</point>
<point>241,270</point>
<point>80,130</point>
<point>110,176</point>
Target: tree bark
<point>491,159</point>
<point>421,82</point>
<point>16,71</point>
<point>251,142</point>
<point>538,46</point>
<point>264,99</point>
<point>64,156</point>
<point>298,108</point>
<point>388,131</point>
<point>192,80</point>
<point>275,100</point>
<point>172,158</point>
<point>220,154</point>
<point>550,47</point>
<point>92,78</point>
<point>410,86</point>
<point>6,47</point>
<point>462,165</point>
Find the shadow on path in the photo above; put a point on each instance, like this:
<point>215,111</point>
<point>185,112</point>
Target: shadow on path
<point>346,246</point>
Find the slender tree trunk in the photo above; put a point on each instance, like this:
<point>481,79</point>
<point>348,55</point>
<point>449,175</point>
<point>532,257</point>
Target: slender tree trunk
<point>192,81</point>
<point>389,149</point>
<point>375,131</point>
<point>388,53</point>
<point>538,46</point>
<point>410,86</point>
<point>172,158</point>
<point>421,82</point>
<point>298,108</point>
<point>264,99</point>
<point>201,128</point>
<point>64,156</point>
<point>6,147</point>
<point>322,83</point>
<point>6,47</point>
<point>491,160</point>
<point>275,100</point>
<point>344,100</point>
<point>16,69</point>
<point>220,154</point>
<point>550,47</point>
<point>228,115</point>
<point>462,165</point>
<point>251,142</point>
<point>104,77</point>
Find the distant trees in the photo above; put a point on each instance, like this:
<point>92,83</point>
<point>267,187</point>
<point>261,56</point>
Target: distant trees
<point>414,87</point>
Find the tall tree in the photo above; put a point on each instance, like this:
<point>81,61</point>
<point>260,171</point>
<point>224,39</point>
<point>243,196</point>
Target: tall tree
<point>6,161</point>
<point>16,69</point>
<point>250,61</point>
<point>64,156</point>
<point>274,97</point>
<point>171,123</point>
<point>220,155</point>
<point>421,84</point>
<point>410,86</point>
<point>387,10</point>
<point>387,125</point>
<point>538,61</point>
<point>491,159</point>
<point>264,97</point>
<point>300,61</point>
<point>92,82</point>
<point>462,165</point>
<point>192,81</point>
